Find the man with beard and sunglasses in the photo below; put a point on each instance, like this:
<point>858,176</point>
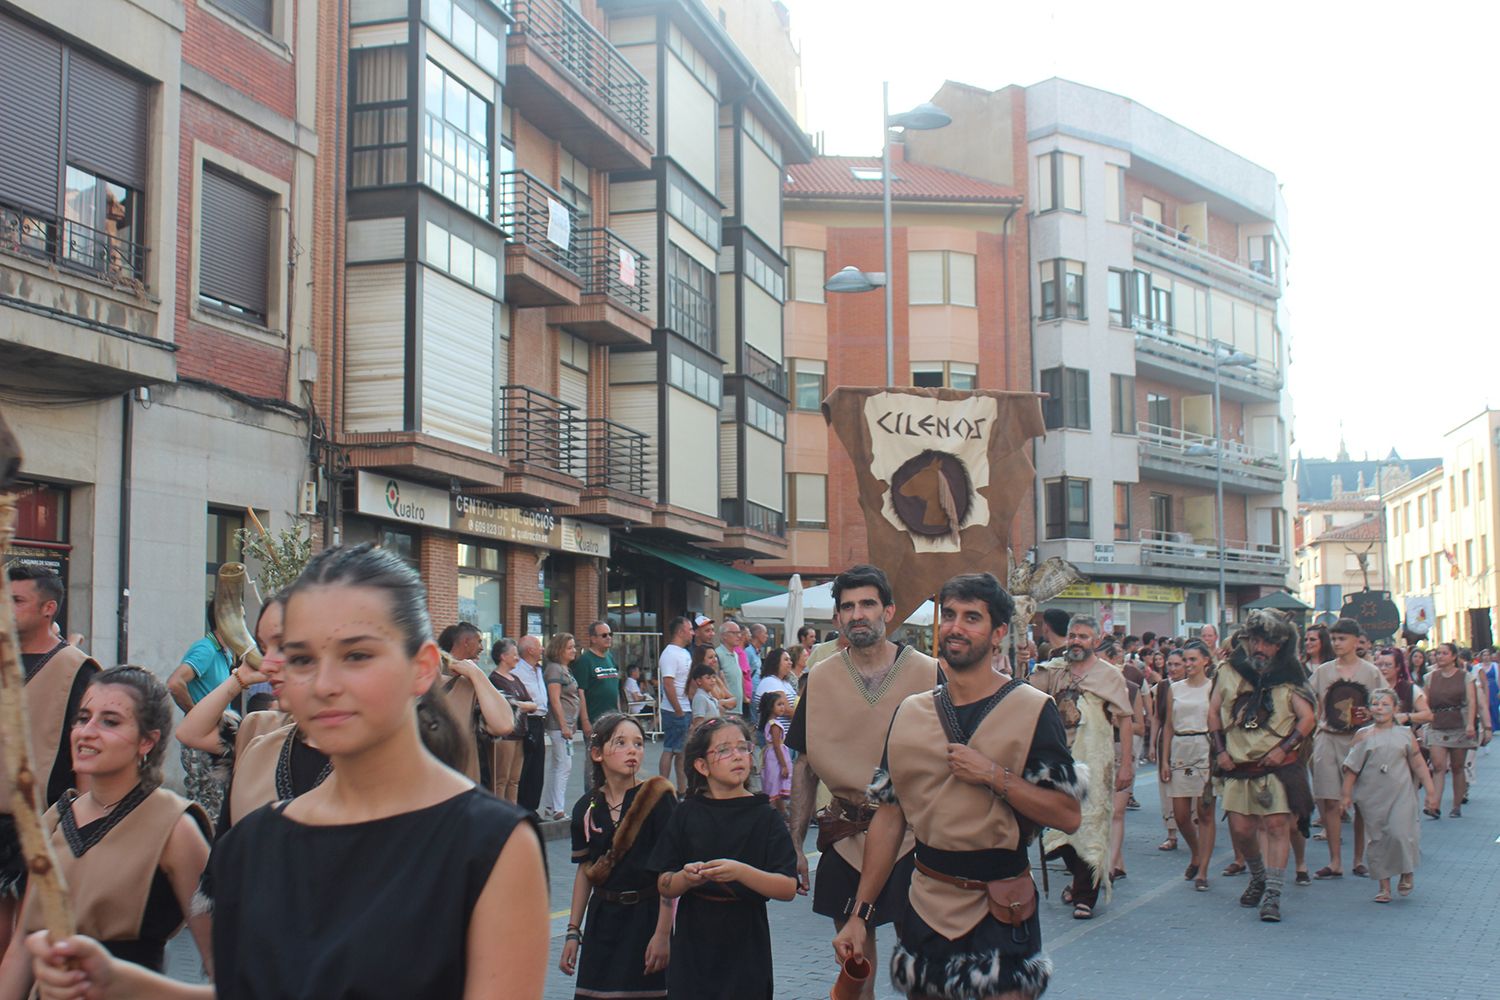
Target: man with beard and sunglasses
<point>839,732</point>
<point>1093,700</point>
<point>974,766</point>
<point>1259,718</point>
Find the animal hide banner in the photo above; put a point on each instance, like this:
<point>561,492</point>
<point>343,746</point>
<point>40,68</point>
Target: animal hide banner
<point>941,473</point>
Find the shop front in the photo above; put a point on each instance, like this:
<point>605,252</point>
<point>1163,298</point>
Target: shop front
<point>508,570</point>
<point>1125,608</point>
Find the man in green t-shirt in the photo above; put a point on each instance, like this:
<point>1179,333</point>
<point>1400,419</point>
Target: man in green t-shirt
<point>595,671</point>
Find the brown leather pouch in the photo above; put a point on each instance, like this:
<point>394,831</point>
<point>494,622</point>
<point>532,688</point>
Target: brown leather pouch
<point>1012,900</point>
<point>841,820</point>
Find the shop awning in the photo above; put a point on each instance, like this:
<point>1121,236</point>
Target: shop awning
<point>1279,600</point>
<point>735,586</point>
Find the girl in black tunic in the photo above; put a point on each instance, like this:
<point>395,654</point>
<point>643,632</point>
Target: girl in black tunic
<point>615,828</point>
<point>394,878</point>
<point>725,852</point>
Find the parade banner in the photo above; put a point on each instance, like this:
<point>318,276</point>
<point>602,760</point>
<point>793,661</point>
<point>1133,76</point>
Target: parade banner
<point>941,473</point>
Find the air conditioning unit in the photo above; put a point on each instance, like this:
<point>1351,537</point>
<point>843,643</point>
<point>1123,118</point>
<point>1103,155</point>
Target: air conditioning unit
<point>307,501</point>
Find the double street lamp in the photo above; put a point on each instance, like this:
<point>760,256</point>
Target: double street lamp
<point>1223,358</point>
<point>851,279</point>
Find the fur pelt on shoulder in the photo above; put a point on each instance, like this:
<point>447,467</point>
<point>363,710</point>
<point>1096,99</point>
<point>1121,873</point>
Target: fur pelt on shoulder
<point>652,792</point>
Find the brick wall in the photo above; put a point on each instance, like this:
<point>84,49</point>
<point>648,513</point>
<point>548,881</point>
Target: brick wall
<point>207,352</point>
<point>521,586</point>
<point>231,55</point>
<point>438,563</point>
<point>587,581</point>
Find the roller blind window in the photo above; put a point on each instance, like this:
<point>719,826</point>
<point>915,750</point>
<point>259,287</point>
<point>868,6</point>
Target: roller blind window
<point>234,246</point>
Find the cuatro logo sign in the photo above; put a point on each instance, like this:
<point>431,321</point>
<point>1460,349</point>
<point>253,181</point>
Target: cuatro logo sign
<point>403,509</point>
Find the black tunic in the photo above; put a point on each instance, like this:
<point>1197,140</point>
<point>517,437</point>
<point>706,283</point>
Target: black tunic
<point>615,934</point>
<point>721,942</point>
<point>362,910</point>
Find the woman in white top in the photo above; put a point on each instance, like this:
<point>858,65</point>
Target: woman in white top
<point>1185,759</point>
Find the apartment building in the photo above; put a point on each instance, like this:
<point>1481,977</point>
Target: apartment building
<point>157,165</point>
<point>1338,551</point>
<point>1443,536</point>
<point>554,314</point>
<point>959,288</point>
<point>1157,261</point>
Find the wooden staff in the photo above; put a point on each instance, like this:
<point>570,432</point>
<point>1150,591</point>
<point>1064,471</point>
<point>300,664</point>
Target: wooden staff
<point>15,739</point>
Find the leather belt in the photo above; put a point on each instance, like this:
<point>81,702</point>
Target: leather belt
<point>953,880</point>
<point>629,897</point>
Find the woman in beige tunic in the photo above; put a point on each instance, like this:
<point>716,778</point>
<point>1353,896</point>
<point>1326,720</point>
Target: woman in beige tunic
<point>131,852</point>
<point>1378,777</point>
<point>1186,758</point>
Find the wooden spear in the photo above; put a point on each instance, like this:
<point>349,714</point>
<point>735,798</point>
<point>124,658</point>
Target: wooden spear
<point>15,740</point>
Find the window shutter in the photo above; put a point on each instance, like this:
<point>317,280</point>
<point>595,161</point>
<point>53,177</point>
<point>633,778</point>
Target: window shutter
<point>234,242</point>
<point>256,12</point>
<point>31,80</point>
<point>925,277</point>
<point>106,121</point>
<point>961,291</point>
<point>807,273</point>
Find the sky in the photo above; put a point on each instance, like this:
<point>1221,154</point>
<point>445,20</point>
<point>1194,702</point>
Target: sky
<point>1379,120</point>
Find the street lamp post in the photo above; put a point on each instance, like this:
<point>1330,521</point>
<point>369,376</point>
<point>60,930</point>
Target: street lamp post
<point>850,279</point>
<point>1231,359</point>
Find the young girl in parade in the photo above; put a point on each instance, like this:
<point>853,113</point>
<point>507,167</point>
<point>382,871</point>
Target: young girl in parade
<point>395,877</point>
<point>775,765</point>
<point>616,908</point>
<point>725,852</point>
<point>130,851</point>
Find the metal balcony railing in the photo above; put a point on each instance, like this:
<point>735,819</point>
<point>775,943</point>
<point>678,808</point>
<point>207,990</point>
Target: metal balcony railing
<point>593,61</point>
<point>690,313</point>
<point>1156,338</point>
<point>533,214</point>
<point>1179,549</point>
<point>72,245</point>
<point>1199,450</point>
<point>613,455</point>
<point>535,428</point>
<point>612,267</point>
<point>1162,238</point>
<point>739,513</point>
<point>765,371</point>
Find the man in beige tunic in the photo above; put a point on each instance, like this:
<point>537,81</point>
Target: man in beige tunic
<point>1093,700</point>
<point>974,767</point>
<point>839,734</point>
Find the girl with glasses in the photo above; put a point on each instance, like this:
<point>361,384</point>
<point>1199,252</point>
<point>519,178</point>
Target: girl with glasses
<point>724,853</point>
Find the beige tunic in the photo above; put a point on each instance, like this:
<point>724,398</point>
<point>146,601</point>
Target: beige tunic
<point>110,883</point>
<point>847,725</point>
<point>1387,800</point>
<point>257,751</point>
<point>952,815</point>
<point>1336,728</point>
<point>1189,765</point>
<point>1263,796</point>
<point>46,710</point>
<point>462,703</point>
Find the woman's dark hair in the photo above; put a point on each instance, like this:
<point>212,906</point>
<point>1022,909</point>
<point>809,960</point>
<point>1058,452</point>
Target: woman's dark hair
<point>273,600</point>
<point>153,714</point>
<point>1418,670</point>
<point>604,731</point>
<point>1198,645</point>
<point>500,648</point>
<point>700,658</point>
<point>1452,648</point>
<point>984,588</point>
<point>1403,676</point>
<point>771,663</point>
<point>768,705</point>
<point>440,733</point>
<point>696,748</point>
<point>364,565</point>
<point>1325,644</point>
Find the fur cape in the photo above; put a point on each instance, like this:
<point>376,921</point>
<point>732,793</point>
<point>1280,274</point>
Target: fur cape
<point>655,787</point>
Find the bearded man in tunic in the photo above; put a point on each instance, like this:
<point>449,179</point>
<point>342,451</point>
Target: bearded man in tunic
<point>972,768</point>
<point>838,731</point>
<point>1093,700</point>
<point>1259,718</point>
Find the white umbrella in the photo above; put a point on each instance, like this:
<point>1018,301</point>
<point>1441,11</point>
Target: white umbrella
<point>792,621</point>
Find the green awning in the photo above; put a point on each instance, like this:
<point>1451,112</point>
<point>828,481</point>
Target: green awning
<point>735,586</point>
<point>1279,600</point>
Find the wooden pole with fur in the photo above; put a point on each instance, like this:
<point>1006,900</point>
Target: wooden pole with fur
<point>15,736</point>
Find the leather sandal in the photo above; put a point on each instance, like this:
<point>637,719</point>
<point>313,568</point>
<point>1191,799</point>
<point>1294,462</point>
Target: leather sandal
<point>1325,873</point>
<point>1404,884</point>
<point>1170,844</point>
<point>1234,868</point>
<point>1083,911</point>
<point>1200,884</point>
<point>1361,871</point>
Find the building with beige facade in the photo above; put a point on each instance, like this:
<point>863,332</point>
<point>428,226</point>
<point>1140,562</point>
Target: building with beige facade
<point>1444,535</point>
<point>1339,552</point>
